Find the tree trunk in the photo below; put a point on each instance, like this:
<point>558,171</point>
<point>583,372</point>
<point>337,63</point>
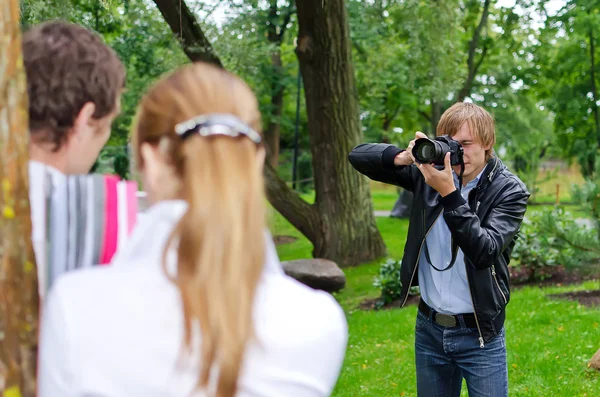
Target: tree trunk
<point>347,232</point>
<point>273,130</point>
<point>341,223</point>
<point>436,114</point>
<point>18,276</point>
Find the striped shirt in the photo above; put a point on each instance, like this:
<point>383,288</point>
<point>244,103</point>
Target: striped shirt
<point>77,220</point>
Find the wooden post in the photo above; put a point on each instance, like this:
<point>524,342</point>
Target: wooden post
<point>18,275</point>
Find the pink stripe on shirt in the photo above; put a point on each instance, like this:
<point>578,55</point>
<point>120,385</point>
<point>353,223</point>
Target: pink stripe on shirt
<point>111,229</point>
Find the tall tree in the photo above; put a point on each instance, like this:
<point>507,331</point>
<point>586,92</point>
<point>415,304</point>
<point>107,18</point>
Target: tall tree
<point>568,72</point>
<point>18,276</point>
<point>340,223</point>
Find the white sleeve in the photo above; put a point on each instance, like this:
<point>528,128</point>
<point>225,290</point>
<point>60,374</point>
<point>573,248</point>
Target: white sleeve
<point>319,354</point>
<point>332,352</point>
<point>56,359</point>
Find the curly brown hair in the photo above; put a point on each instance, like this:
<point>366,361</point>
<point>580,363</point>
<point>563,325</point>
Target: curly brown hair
<point>68,66</point>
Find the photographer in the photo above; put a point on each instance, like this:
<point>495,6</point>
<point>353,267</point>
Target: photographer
<point>458,248</point>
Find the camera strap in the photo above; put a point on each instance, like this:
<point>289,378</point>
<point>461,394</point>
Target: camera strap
<point>454,253</point>
<point>454,244</point>
<point>462,170</point>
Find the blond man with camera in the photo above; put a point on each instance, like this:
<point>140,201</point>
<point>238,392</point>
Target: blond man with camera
<point>467,210</point>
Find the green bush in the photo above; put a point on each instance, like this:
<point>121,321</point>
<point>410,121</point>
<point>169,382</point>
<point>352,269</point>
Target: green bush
<point>121,165</point>
<point>534,256</point>
<point>388,281</point>
<point>578,244</point>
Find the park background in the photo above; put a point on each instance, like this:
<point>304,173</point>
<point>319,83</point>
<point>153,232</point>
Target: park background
<point>330,74</point>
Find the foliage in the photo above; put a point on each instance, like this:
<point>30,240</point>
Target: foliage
<point>121,165</point>
<point>534,256</point>
<point>587,195</point>
<point>243,45</point>
<point>388,281</point>
<point>565,78</point>
<point>577,244</point>
<point>135,30</point>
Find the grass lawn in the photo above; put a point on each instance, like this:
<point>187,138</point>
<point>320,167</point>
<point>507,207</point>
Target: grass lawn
<point>549,342</point>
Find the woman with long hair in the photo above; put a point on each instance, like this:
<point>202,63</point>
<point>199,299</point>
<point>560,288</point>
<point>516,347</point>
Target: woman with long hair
<point>196,303</point>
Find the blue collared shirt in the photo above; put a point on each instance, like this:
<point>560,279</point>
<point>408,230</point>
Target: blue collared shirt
<point>446,291</point>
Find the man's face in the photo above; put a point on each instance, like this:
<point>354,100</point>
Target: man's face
<point>474,152</point>
<point>87,140</point>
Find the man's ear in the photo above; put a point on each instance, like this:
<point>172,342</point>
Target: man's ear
<point>84,118</point>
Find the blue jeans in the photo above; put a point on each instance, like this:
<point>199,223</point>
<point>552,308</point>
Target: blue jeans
<point>444,356</point>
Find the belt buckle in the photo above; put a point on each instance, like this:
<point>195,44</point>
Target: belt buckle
<point>445,320</point>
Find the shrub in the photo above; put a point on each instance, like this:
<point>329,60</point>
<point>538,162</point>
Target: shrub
<point>534,256</point>
<point>388,281</point>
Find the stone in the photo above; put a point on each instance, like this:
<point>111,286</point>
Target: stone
<point>595,361</point>
<point>316,273</point>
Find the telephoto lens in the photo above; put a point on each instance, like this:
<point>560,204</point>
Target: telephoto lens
<point>427,151</point>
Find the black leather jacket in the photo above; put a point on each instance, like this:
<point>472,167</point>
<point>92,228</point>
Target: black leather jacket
<point>484,227</point>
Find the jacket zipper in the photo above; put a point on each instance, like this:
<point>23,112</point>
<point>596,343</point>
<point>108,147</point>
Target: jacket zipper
<point>481,344</point>
<point>419,256</point>
<point>498,285</point>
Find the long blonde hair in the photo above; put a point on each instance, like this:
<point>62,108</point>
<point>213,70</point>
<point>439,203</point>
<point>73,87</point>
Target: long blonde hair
<point>220,238</point>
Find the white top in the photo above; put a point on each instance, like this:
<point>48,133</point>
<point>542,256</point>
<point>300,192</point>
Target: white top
<point>117,331</point>
<point>42,180</point>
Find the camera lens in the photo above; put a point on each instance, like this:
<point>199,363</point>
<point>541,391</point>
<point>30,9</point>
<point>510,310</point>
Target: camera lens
<point>428,151</point>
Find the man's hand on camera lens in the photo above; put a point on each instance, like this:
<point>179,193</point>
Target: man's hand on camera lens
<point>442,181</point>
<point>406,157</point>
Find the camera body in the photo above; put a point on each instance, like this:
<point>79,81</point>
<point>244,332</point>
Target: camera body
<point>433,151</point>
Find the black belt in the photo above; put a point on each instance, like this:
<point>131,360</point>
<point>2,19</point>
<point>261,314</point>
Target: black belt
<point>448,320</point>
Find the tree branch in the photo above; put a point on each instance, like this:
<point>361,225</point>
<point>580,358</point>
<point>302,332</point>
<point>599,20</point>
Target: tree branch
<point>285,200</point>
<point>184,25</point>
<point>564,238</point>
<point>425,115</point>
<point>473,45</point>
<point>388,118</point>
<point>288,203</point>
<point>483,54</point>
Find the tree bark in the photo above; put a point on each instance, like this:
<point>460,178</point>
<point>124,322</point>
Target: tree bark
<point>436,115</point>
<point>273,131</point>
<point>18,275</point>
<point>341,223</point>
<point>184,25</point>
<point>347,231</point>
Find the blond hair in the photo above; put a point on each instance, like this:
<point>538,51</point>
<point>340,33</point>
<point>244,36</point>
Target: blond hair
<point>220,240</point>
<point>480,122</point>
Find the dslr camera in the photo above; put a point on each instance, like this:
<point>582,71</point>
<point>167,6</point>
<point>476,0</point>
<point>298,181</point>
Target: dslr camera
<point>433,151</point>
